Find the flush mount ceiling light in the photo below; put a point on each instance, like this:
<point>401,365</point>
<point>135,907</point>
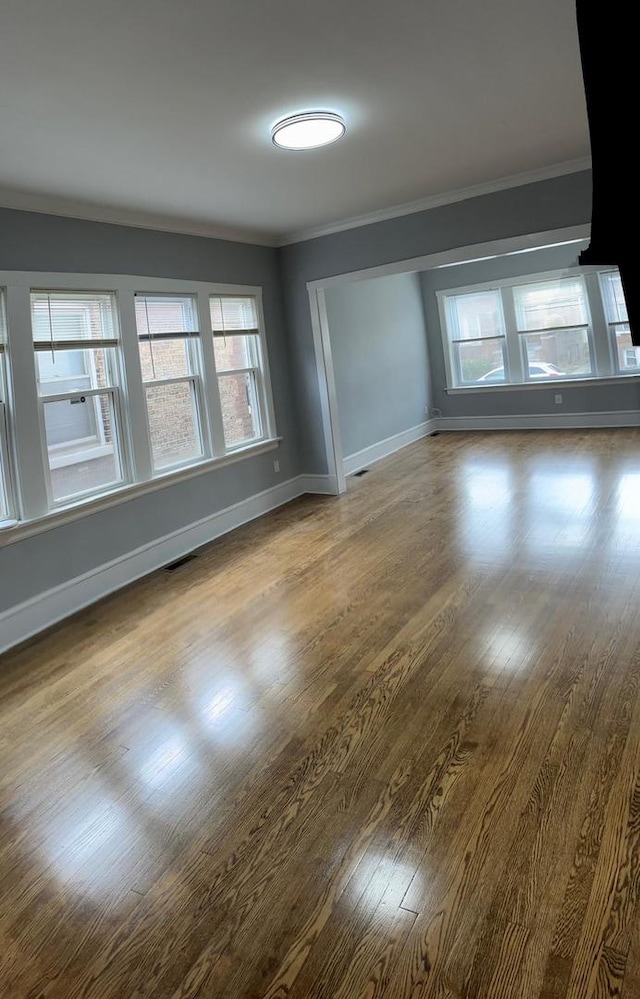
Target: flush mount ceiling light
<point>306,131</point>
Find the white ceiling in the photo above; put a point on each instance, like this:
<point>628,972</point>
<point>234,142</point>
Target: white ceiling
<point>162,108</point>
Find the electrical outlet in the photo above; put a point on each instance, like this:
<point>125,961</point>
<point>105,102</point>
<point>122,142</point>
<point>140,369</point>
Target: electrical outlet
<point>276,465</point>
<point>558,399</point>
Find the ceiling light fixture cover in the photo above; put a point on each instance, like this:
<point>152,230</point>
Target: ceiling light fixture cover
<point>306,131</point>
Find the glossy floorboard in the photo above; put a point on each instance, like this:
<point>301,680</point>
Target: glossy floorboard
<point>381,746</point>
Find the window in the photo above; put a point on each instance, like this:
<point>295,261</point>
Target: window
<point>168,342</point>
<point>477,337</point>
<point>553,326</point>
<point>112,386</point>
<point>238,358</point>
<point>76,337</point>
<point>627,357</point>
<point>533,331</point>
<point>5,496</point>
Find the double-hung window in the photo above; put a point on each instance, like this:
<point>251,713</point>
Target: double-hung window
<point>76,340</point>
<point>476,330</point>
<point>5,492</point>
<point>519,331</point>
<point>123,383</point>
<point>553,327</point>
<point>239,364</point>
<point>168,339</point>
<point>627,357</point>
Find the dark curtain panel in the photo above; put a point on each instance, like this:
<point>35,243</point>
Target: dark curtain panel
<point>609,51</point>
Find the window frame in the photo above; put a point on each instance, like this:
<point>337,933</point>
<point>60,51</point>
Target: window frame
<point>522,334</point>
<point>600,346</point>
<point>113,391</point>
<point>264,405</point>
<point>32,506</point>
<point>613,326</point>
<point>454,344</point>
<point>192,340</point>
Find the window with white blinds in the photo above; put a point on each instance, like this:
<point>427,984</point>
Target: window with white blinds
<point>110,385</point>
<point>76,341</point>
<point>238,359</point>
<point>168,341</point>
<point>553,327</point>
<point>537,330</point>
<point>476,331</point>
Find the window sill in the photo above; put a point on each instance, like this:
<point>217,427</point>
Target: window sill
<point>11,530</point>
<point>552,383</point>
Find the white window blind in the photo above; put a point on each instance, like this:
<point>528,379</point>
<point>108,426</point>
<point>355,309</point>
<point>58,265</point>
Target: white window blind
<point>551,305</point>
<point>231,313</point>
<point>614,300</point>
<point>67,320</point>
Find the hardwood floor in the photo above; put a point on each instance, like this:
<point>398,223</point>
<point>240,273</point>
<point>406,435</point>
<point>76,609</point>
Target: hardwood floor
<point>381,746</point>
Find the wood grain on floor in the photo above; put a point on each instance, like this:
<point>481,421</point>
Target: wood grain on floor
<point>386,745</point>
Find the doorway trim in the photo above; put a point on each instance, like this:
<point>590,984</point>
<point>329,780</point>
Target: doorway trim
<point>446,258</point>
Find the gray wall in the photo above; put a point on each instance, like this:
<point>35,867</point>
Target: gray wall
<point>549,204</point>
<point>30,241</point>
<point>577,398</point>
<point>379,351</point>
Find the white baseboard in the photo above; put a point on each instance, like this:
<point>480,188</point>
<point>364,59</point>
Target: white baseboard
<point>376,452</point>
<point>323,485</point>
<point>546,421</point>
<point>40,612</point>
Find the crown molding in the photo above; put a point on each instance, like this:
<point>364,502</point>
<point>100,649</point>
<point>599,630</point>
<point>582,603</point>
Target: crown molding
<point>84,211</point>
<point>437,200</point>
<point>67,208</point>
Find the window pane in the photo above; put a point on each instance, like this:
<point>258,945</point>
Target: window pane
<point>164,359</point>
<point>557,355</point>
<point>615,305</point>
<point>480,361</point>
<point>230,312</point>
<point>235,352</point>
<point>239,408</point>
<point>628,355</point>
<point>476,315</point>
<point>551,304</point>
<point>73,316</point>
<point>75,370</point>
<point>162,314</point>
<point>81,445</point>
<point>157,317</point>
<point>173,424</point>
